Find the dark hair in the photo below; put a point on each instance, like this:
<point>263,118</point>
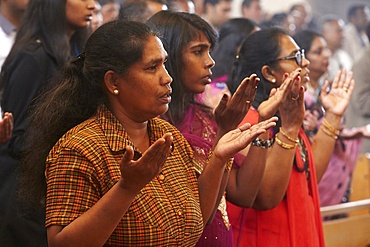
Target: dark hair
<point>104,2</point>
<point>136,11</point>
<point>114,46</point>
<point>214,2</point>
<point>46,20</point>
<point>352,10</point>
<point>176,30</point>
<point>247,3</point>
<point>305,38</point>
<point>231,34</point>
<point>255,52</point>
<point>277,20</point>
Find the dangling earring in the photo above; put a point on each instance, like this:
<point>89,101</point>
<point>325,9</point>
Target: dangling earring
<point>115,92</point>
<point>273,80</point>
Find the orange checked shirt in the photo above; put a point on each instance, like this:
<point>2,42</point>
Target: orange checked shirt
<point>84,165</point>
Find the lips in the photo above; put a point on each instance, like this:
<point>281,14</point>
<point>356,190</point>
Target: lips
<point>166,98</point>
<point>207,79</point>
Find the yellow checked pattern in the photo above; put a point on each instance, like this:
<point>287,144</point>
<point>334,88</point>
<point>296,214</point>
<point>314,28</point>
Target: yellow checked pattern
<point>165,213</point>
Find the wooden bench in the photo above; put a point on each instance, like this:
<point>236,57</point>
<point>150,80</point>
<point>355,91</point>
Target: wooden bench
<point>353,231</point>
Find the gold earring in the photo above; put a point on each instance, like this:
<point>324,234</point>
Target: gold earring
<point>115,92</point>
<point>273,80</point>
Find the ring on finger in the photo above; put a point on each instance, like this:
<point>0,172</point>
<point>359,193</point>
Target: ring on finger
<point>295,98</point>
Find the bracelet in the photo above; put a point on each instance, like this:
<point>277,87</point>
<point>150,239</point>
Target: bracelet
<point>229,163</point>
<point>288,137</point>
<point>263,143</point>
<point>283,144</point>
<point>330,127</point>
<point>329,133</point>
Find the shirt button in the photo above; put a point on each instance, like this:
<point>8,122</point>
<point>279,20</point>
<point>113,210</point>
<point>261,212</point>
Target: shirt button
<point>161,177</point>
<point>179,212</point>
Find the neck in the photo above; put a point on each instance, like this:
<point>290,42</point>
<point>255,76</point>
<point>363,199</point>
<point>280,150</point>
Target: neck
<point>13,17</point>
<point>314,79</point>
<point>138,131</point>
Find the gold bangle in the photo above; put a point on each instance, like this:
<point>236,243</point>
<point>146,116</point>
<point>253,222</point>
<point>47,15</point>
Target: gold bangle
<point>329,133</point>
<point>330,127</point>
<point>283,144</point>
<point>288,137</point>
<point>229,163</point>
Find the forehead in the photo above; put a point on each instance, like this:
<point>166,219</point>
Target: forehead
<point>318,42</point>
<point>200,37</point>
<point>153,50</point>
<point>287,45</point>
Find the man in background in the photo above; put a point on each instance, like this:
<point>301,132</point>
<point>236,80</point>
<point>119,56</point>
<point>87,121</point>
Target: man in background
<point>332,30</point>
<point>355,38</point>
<point>216,12</point>
<point>251,9</point>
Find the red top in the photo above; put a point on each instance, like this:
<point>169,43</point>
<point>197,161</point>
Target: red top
<point>295,222</point>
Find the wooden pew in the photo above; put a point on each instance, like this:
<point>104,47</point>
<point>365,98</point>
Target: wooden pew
<point>352,231</point>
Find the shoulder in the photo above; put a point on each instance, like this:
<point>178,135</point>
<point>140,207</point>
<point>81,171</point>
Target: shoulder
<point>83,138</point>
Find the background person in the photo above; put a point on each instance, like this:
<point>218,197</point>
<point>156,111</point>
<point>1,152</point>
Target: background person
<point>50,34</point>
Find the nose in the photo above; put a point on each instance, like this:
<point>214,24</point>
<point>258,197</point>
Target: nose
<point>166,78</point>
<point>210,63</point>
<point>305,63</point>
<point>327,52</point>
<point>91,4</point>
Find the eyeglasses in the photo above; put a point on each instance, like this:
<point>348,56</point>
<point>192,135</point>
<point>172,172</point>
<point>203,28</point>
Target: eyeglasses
<point>298,57</point>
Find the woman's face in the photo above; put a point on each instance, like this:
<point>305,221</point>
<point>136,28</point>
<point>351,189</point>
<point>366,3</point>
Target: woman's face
<point>318,55</point>
<point>79,13</point>
<point>289,48</point>
<point>144,92</point>
<point>198,62</point>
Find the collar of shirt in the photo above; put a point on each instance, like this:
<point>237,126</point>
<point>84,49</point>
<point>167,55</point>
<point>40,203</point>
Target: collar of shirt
<point>6,25</point>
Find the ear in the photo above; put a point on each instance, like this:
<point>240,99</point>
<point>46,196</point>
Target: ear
<point>111,81</point>
<point>268,73</point>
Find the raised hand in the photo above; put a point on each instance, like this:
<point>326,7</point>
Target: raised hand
<point>6,127</point>
<point>136,174</point>
<point>229,113</point>
<point>237,139</point>
<point>337,98</point>
<point>287,92</point>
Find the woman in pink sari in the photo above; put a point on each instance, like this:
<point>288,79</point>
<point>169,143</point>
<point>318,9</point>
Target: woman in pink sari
<point>188,40</point>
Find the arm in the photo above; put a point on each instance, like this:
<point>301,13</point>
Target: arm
<point>279,159</point>
<point>94,227</point>
<point>210,180</point>
<point>228,115</point>
<point>244,182</point>
<point>335,103</point>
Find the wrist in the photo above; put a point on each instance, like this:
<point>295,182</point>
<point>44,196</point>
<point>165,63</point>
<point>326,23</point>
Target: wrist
<point>227,163</point>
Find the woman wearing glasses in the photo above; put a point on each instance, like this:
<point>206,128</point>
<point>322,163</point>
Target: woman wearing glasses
<point>286,211</point>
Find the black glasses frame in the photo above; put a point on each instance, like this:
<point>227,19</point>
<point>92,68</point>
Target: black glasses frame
<point>298,57</point>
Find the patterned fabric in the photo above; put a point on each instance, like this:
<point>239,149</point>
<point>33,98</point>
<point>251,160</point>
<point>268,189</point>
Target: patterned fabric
<point>295,222</point>
<point>200,129</point>
<point>336,180</point>
<point>84,165</point>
